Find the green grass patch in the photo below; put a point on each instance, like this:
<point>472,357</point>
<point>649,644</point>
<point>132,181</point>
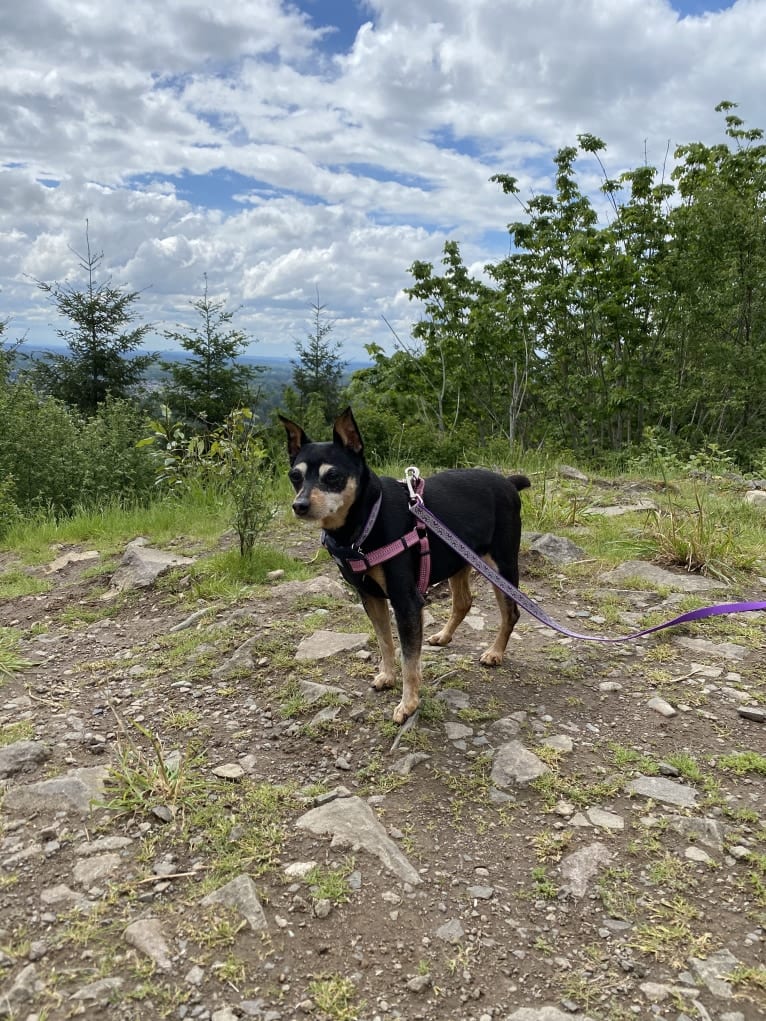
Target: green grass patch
<point>744,763</point>
<point>10,733</point>
<point>11,661</point>
<point>16,583</point>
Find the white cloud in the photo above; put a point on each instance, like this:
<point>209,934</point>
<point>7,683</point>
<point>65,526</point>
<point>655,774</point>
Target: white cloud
<point>343,169</point>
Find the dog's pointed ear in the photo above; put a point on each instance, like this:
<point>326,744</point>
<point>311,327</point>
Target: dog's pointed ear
<point>296,437</point>
<point>346,432</point>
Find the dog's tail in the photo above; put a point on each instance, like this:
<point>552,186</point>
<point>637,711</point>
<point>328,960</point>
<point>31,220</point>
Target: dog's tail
<point>519,481</point>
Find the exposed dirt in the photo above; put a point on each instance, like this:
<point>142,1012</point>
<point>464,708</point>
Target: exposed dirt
<point>493,860</point>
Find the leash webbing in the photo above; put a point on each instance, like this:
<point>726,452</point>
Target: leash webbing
<point>418,508</point>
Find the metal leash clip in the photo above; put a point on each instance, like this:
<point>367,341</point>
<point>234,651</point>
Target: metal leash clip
<point>412,478</point>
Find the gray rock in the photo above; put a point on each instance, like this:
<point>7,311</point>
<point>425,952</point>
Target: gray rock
<point>21,755</point>
<point>578,868</point>
<point>616,511</point>
<point>419,983</point>
<point>659,788</point>
<point>457,731</point>
<point>756,498</point>
<point>323,644</point>
<point>407,763</point>
<point>455,698</point>
<point>560,743</point>
<point>752,712</point>
<point>73,557</point>
<point>451,932</point>
<point>95,868</point>
<point>714,970</point>
<point>705,831</point>
<point>98,993</point>
<point>566,471</point>
<point>141,566</point>
<point>505,729</point>
<point>321,586</point>
<point>352,823</point>
<point>659,705</point>
<point>240,661</point>
<point>480,892</point>
<point>75,791</point>
<point>545,1014</point>
<point>515,764</point>
<point>659,577</point>
<point>557,549</point>
<point>146,936</point>
<point>701,646</point>
<point>241,895</point>
<point>21,992</point>
<point>314,692</point>
<point>605,820</point>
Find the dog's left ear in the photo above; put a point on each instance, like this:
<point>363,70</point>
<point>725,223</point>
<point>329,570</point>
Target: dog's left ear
<point>296,437</point>
<point>346,433</point>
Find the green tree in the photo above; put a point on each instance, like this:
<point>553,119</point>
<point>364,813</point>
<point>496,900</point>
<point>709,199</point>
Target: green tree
<point>719,229</point>
<point>212,383</point>
<point>102,360</point>
<point>317,374</point>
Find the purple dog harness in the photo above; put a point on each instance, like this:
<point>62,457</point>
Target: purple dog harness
<point>426,517</point>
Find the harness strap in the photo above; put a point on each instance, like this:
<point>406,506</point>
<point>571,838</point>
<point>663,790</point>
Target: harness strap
<point>360,562</point>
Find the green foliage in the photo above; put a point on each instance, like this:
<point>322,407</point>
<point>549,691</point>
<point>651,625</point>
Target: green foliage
<point>592,335</point>
<point>53,459</point>
<point>230,459</point>
<point>210,385</point>
<point>102,360</point>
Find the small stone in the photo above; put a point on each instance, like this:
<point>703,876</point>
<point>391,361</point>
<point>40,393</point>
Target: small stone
<point>751,712</point>
<point>229,771</point>
<point>609,686</point>
<point>659,705</point>
<point>322,908</point>
<point>419,983</point>
<point>697,854</point>
<point>451,932</point>
<point>481,892</point>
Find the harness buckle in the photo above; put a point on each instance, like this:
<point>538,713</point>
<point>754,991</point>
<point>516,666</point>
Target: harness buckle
<point>414,483</point>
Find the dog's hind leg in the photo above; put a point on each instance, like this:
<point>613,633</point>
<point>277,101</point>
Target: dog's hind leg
<point>462,601</point>
<point>509,615</point>
<point>378,612</point>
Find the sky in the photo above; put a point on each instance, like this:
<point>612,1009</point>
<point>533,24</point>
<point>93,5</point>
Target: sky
<point>309,152</point>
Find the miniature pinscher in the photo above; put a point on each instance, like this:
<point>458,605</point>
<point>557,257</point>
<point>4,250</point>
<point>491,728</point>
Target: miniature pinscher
<point>360,512</point>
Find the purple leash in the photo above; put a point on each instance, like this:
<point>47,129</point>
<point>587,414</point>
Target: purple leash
<point>418,508</point>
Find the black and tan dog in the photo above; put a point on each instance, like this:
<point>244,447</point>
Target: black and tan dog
<point>361,512</point>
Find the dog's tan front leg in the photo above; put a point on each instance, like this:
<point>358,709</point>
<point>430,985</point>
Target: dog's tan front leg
<point>462,601</point>
<point>411,678</point>
<point>378,612</point>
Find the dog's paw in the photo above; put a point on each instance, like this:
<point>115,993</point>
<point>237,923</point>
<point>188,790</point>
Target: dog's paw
<point>491,658</point>
<point>439,639</point>
<point>383,681</point>
<point>403,710</point>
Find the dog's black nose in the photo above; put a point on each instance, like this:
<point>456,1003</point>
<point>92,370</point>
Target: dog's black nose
<point>301,507</point>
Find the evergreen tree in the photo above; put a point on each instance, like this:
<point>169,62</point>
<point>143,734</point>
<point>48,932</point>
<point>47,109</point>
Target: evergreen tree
<point>102,343</point>
<point>211,383</point>
<point>318,373</point>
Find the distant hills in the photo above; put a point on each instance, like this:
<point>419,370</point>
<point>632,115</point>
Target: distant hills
<point>276,375</point>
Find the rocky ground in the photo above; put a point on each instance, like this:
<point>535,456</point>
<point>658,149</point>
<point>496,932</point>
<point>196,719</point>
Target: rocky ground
<point>209,814</point>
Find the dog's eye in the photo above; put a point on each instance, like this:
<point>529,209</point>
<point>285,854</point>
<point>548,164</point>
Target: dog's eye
<point>295,477</point>
<point>333,478</point>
